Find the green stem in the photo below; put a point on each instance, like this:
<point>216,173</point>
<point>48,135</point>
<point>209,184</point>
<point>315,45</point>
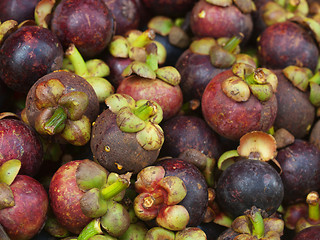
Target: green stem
<point>281,2</point>
<point>115,188</point>
<point>232,43</point>
<point>143,39</point>
<point>315,78</point>
<point>292,5</point>
<point>80,67</point>
<point>145,111</point>
<point>313,206</point>
<point>257,224</point>
<point>250,79</point>
<point>93,228</point>
<point>152,58</point>
<point>56,121</point>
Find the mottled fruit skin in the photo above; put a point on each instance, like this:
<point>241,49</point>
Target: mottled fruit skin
<point>65,196</point>
<point>300,170</point>
<point>170,8</point>
<point>284,44</point>
<point>20,141</point>
<point>295,112</point>
<point>310,233</point>
<point>28,54</point>
<point>232,119</point>
<point>126,14</point>
<point>169,97</point>
<point>118,151</point>
<point>18,10</point>
<point>196,200</point>
<point>196,72</point>
<point>248,183</point>
<point>26,218</point>
<point>208,20</point>
<point>189,132</point>
<point>72,82</point>
<point>89,24</point>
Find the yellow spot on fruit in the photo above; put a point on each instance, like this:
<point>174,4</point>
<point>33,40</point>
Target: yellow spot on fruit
<point>202,14</point>
<point>107,148</point>
<point>119,166</point>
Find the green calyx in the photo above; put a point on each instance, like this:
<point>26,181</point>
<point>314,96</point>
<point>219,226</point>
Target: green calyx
<point>149,69</point>
<point>141,117</point>
<point>100,187</point>
<point>261,81</point>
<point>253,224</point>
<point>93,70</point>
<point>282,10</point>
<point>93,228</point>
<point>173,29</point>
<point>62,112</point>
<point>43,11</point>
<point>223,54</point>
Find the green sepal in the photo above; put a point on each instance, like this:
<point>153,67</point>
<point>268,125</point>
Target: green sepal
<point>169,75</point>
<point>140,68</point>
<point>9,170</point>
<point>151,137</point>
<point>127,121</point>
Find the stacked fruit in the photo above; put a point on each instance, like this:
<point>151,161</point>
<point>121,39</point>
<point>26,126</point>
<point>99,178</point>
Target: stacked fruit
<point>145,119</point>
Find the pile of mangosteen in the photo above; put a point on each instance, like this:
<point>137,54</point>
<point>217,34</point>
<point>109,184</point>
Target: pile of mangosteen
<point>159,119</point>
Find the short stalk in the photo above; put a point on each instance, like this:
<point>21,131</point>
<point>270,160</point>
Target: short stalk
<point>145,111</point>
<point>233,42</point>
<point>143,39</point>
<point>257,223</point>
<point>152,58</point>
<point>250,79</point>
<point>315,78</point>
<point>92,229</point>
<point>292,5</point>
<point>56,121</point>
<point>80,67</point>
<point>115,188</point>
<point>313,206</point>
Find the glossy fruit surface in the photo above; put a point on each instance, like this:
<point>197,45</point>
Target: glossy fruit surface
<point>26,218</point>
<point>248,183</point>
<point>88,24</point>
<point>300,170</point>
<point>232,119</point>
<point>20,141</point>
<point>28,54</point>
<point>284,44</point>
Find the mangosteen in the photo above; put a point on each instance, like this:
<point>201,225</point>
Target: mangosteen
<point>311,233</point>
<point>126,136</point>
<point>196,199</point>
<point>27,54</point>
<point>222,19</point>
<point>17,10</point>
<point>295,111</point>
<point>300,170</point>
<point>126,14</point>
<point>62,104</point>
<point>90,25</point>
<point>247,183</point>
<point>288,43</point>
<point>27,216</point>
<point>22,142</point>
<point>233,103</point>
<point>189,132</point>
<point>146,80</point>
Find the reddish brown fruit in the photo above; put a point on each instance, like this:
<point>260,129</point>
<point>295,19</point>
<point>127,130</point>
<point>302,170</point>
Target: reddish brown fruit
<point>20,141</point>
<point>26,218</point>
<point>233,119</point>
<point>65,198</point>
<point>167,96</point>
